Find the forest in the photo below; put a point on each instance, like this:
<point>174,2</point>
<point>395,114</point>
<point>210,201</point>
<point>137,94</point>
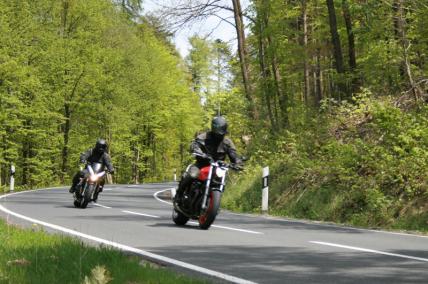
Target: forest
<point>330,94</point>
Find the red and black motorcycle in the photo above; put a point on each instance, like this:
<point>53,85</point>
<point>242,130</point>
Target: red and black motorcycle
<point>201,200</point>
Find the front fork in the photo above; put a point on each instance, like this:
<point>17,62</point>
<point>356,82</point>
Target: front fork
<point>207,187</point>
<point>86,184</point>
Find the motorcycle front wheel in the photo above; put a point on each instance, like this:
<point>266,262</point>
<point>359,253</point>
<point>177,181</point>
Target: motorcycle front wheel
<point>208,216</point>
<point>179,218</point>
<point>87,196</point>
<point>76,204</point>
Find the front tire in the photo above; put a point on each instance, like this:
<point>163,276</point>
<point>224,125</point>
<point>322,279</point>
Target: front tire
<point>179,218</point>
<point>88,196</point>
<point>76,204</point>
<point>208,217</point>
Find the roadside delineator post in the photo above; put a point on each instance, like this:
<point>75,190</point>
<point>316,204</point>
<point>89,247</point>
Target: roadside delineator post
<point>265,191</point>
<point>173,189</point>
<point>12,177</point>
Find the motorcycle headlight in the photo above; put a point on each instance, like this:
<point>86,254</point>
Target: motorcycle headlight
<point>220,172</point>
<point>94,178</point>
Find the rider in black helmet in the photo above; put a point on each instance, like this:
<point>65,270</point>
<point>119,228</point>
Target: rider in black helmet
<point>98,154</point>
<point>212,144</point>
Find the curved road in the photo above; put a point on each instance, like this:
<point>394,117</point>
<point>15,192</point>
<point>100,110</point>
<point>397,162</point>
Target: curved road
<point>239,248</point>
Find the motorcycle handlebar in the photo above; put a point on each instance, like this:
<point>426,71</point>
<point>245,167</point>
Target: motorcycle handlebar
<point>236,167</point>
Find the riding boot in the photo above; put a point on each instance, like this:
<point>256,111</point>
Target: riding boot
<point>183,184</point>
<point>74,186</point>
<point>76,181</point>
<point>101,187</point>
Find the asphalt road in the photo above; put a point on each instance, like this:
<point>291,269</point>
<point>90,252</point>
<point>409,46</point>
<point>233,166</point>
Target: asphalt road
<point>239,248</point>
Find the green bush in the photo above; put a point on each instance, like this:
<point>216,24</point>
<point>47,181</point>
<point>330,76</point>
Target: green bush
<point>366,165</point>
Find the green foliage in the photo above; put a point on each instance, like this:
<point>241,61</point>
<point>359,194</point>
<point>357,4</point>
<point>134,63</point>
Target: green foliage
<point>72,71</point>
<point>33,256</point>
<point>367,167</point>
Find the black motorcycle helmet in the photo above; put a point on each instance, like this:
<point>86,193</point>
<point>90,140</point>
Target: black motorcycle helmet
<point>101,146</point>
<point>219,126</point>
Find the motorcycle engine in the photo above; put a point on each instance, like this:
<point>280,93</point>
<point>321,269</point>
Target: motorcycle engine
<point>190,194</point>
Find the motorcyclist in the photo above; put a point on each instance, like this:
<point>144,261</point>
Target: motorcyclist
<point>209,145</point>
<point>98,154</point>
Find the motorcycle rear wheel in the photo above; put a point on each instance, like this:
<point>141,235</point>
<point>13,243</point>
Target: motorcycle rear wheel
<point>208,217</point>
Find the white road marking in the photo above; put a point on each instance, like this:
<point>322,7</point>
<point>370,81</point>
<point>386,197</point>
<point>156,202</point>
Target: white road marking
<point>125,247</point>
<point>216,226</point>
<point>321,224</point>
<point>233,229</point>
<point>155,195</point>
<point>103,206</point>
<point>140,214</point>
<point>371,250</point>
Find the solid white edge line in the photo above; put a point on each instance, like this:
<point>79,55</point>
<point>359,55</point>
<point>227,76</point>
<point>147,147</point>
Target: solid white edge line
<point>140,214</point>
<point>370,250</point>
<point>216,226</point>
<point>125,247</point>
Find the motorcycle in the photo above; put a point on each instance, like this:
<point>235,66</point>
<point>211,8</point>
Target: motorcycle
<point>201,200</point>
<point>89,187</point>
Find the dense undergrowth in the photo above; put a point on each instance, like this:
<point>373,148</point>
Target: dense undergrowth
<point>32,256</point>
<point>364,164</point>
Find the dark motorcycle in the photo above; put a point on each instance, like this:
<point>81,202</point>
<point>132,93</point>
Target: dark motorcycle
<point>201,200</point>
<point>89,187</point>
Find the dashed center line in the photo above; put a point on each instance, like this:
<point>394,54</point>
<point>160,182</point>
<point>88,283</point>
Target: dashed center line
<point>103,206</point>
<point>140,214</point>
<point>370,250</point>
<point>232,229</point>
<point>196,223</point>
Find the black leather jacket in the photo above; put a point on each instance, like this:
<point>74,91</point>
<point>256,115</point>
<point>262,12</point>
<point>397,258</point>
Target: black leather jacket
<point>206,143</point>
<point>92,156</point>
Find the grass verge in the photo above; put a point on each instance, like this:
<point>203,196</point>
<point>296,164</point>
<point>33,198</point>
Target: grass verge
<point>33,256</point>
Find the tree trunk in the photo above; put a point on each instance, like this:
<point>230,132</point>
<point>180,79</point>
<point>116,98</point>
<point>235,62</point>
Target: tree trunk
<point>66,136</point>
<point>318,79</point>
<point>26,154</point>
<point>351,45</point>
<point>266,86</point>
<point>343,90</point>
<point>306,78</point>
<point>135,170</point>
<point>2,163</point>
<point>351,37</point>
<point>154,167</point>
<point>401,33</point>
<point>338,56</point>
<point>398,27</point>
<point>283,100</point>
<point>64,17</point>
<point>242,51</point>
